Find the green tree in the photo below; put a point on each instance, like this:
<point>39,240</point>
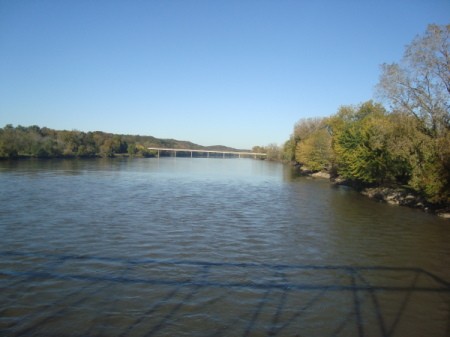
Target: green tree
<point>132,149</point>
<point>119,145</point>
<point>8,142</point>
<point>360,143</point>
<point>425,160</point>
<point>315,151</point>
<point>87,146</point>
<point>418,88</point>
<point>107,148</point>
<point>289,150</point>
<point>312,143</point>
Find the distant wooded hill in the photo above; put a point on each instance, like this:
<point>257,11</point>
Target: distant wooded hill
<point>42,142</point>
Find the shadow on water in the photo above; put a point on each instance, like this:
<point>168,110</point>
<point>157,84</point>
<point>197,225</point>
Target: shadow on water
<point>50,294</point>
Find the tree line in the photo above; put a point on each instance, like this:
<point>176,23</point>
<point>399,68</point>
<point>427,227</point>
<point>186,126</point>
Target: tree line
<point>408,145</point>
<point>34,141</point>
<point>43,142</point>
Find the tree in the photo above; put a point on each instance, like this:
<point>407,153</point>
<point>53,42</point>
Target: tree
<point>119,145</point>
<point>258,149</point>
<point>310,144</point>
<point>132,149</point>
<point>360,143</point>
<point>315,151</point>
<point>107,148</point>
<point>273,152</point>
<point>419,87</point>
<point>425,160</point>
<point>420,84</point>
<point>87,146</point>
<point>289,150</point>
<point>305,127</point>
<point>8,142</point>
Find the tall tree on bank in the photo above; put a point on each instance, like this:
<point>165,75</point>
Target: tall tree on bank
<point>418,88</point>
<point>313,144</point>
<point>360,143</point>
<point>420,84</point>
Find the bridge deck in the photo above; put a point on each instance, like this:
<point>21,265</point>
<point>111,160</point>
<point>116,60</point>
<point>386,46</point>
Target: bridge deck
<point>236,153</point>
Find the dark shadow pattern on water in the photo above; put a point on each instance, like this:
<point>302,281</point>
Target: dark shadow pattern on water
<point>283,299</point>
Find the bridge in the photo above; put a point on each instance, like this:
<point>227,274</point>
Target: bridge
<point>208,153</point>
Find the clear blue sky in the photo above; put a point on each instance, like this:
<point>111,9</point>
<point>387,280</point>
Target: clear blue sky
<point>236,73</point>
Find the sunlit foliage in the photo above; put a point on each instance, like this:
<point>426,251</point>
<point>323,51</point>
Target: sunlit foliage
<point>313,144</point>
<point>408,145</point>
<point>39,142</point>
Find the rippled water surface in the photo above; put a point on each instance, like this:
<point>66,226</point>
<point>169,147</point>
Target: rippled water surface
<point>211,247</point>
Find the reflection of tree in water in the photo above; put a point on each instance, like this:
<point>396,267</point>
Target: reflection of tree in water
<point>146,297</point>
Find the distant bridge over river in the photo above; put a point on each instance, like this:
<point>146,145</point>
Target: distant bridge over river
<point>209,153</point>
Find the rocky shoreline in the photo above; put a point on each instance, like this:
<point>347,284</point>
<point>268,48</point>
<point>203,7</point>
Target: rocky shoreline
<point>398,196</point>
<point>403,197</point>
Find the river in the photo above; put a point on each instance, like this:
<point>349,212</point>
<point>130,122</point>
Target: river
<point>211,247</point>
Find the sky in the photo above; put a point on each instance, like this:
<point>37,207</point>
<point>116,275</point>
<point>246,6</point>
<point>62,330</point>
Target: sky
<point>235,73</point>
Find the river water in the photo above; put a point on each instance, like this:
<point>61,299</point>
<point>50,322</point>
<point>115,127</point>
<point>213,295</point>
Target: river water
<point>211,247</point>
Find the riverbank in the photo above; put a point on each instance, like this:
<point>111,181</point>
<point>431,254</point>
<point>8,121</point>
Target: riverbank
<point>397,196</point>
